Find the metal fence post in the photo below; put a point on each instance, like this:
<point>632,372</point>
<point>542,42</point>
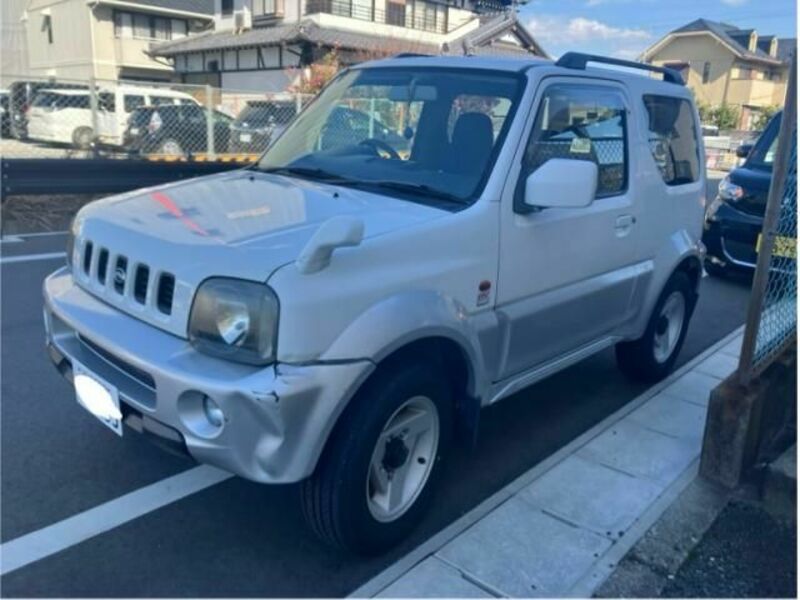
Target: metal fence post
<point>771,215</point>
<point>95,116</point>
<point>210,122</point>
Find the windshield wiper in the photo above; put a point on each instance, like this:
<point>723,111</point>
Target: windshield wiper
<point>418,189</point>
<point>306,172</point>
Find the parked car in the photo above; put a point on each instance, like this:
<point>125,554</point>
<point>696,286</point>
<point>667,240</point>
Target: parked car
<point>339,312</point>
<point>5,114</point>
<point>260,122</point>
<point>21,95</point>
<point>65,116</point>
<point>175,130</point>
<point>734,219</point>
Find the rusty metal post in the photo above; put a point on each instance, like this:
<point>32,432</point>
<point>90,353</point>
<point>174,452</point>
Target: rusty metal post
<point>776,189</point>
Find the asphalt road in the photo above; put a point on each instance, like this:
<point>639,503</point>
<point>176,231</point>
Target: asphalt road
<point>239,538</point>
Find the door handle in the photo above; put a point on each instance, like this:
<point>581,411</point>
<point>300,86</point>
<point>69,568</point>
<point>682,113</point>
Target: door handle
<point>624,224</point>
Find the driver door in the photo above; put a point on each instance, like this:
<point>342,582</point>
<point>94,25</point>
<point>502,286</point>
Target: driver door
<point>567,274</point>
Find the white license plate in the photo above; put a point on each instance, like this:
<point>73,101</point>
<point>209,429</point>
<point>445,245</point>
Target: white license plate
<point>246,138</point>
<point>98,397</point>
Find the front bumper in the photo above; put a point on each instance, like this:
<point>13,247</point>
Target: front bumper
<point>731,237</point>
<point>277,418</point>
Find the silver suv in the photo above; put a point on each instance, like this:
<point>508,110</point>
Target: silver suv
<point>340,311</point>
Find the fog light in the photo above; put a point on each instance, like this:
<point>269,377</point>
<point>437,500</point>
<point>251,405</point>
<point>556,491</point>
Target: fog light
<point>213,412</point>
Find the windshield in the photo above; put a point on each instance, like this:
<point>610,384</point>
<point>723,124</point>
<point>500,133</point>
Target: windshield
<point>763,153</point>
<point>423,132</point>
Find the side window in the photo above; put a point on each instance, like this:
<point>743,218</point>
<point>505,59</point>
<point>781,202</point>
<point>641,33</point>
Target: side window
<point>162,101</point>
<point>133,102</point>
<point>578,122</point>
<point>673,138</point>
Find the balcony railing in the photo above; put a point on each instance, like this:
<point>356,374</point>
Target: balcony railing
<point>424,16</point>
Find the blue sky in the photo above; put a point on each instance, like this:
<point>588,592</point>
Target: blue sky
<point>624,28</point>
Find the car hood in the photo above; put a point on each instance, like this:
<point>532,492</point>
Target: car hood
<point>243,224</point>
<point>755,183</point>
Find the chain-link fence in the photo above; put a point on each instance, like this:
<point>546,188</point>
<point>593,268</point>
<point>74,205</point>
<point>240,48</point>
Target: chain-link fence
<point>58,118</point>
<point>772,316</point>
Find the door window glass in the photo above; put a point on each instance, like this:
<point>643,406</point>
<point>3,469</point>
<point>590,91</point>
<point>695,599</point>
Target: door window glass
<point>133,102</point>
<point>582,123</point>
<point>672,138</point>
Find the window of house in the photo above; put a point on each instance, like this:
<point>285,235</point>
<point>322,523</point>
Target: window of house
<point>179,29</point>
<point>227,7</point>
<point>582,122</point>
<point>706,72</point>
<point>428,16</point>
<point>396,13</point>
<point>148,27</point>
<point>141,26</point>
<point>673,138</point>
<point>265,7</point>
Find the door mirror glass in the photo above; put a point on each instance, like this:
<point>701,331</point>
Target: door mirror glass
<point>562,183</point>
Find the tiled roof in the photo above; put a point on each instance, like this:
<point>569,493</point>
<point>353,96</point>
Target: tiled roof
<point>737,38</point>
<point>205,7</point>
<point>308,31</point>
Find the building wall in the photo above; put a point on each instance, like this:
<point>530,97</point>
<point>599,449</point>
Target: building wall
<point>13,42</point>
<point>731,81</point>
<point>70,53</point>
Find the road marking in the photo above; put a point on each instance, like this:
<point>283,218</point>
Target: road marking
<point>45,542</point>
<point>36,235</point>
<point>32,257</point>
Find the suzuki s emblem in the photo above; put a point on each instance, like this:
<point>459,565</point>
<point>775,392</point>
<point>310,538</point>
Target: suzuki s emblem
<point>120,276</point>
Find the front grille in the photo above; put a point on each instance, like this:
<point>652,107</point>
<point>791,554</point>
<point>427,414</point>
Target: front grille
<point>114,272</point>
<point>166,290</point>
<point>142,377</point>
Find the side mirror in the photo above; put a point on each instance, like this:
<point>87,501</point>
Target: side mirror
<point>743,151</point>
<point>561,183</point>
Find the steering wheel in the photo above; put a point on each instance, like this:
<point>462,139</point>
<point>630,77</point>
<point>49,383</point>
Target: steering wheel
<point>378,145</point>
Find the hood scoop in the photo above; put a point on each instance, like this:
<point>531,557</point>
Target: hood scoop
<point>337,232</point>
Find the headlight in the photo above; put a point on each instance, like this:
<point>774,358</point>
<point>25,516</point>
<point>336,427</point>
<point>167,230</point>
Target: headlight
<point>236,320</point>
<point>730,191</point>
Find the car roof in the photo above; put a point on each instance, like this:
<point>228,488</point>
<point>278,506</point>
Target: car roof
<point>634,78</point>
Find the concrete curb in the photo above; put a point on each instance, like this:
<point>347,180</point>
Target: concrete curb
<point>690,379</point>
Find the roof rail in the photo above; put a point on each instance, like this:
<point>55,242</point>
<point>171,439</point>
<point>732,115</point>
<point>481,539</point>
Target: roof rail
<point>578,60</point>
<point>410,55</point>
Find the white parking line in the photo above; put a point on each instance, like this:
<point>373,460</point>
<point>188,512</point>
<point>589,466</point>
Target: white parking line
<point>32,257</point>
<point>40,544</point>
<point>21,237</point>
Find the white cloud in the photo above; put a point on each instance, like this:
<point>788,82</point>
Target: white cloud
<point>550,29</point>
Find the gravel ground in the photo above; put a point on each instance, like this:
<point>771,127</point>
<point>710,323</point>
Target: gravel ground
<point>36,214</point>
<point>745,553</point>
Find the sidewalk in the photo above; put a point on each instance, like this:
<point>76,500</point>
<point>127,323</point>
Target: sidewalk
<point>561,528</point>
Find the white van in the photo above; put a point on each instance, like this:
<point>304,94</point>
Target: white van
<point>65,116</point>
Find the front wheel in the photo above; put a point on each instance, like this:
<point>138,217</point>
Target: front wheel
<point>652,356</point>
<point>374,481</point>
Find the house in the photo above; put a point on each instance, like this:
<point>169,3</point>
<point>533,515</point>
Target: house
<point>108,39</point>
<point>262,45</point>
<point>724,64</point>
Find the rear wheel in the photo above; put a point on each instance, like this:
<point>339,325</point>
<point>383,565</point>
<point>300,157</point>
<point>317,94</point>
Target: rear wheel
<point>374,481</point>
<point>652,356</point>
<point>82,138</point>
<point>170,147</point>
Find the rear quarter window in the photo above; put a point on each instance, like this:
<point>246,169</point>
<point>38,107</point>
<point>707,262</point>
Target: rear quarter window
<point>672,137</point>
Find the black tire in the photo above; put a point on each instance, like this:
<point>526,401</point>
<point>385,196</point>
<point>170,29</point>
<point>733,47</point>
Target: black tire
<point>334,498</point>
<point>82,138</point>
<point>164,147</point>
<point>637,358</point>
